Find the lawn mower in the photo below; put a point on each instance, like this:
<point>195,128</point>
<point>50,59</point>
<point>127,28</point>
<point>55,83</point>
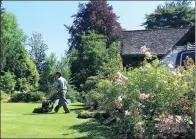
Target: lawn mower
<point>47,106</point>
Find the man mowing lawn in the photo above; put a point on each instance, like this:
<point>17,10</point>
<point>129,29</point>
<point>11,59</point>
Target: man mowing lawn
<point>62,90</point>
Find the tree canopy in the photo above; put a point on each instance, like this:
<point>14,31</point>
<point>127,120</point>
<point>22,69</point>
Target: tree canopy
<point>171,14</point>
<point>15,58</point>
<point>94,15</point>
<point>38,50</point>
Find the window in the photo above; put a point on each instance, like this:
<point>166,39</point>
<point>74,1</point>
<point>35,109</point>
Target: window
<point>190,54</point>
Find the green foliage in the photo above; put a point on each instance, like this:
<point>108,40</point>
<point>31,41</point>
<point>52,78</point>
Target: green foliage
<point>15,58</point>
<point>72,94</point>
<point>86,61</point>
<point>63,66</point>
<point>171,15</point>
<point>85,114</point>
<point>150,92</point>
<point>7,83</point>
<point>4,96</point>
<point>97,16</point>
<point>47,78</point>
<point>36,96</point>
<point>27,97</point>
<point>38,50</point>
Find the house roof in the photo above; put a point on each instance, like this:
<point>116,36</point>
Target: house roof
<point>160,41</point>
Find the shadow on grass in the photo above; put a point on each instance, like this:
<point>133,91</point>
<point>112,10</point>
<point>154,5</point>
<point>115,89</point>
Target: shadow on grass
<point>39,113</point>
<point>43,113</point>
<point>76,109</point>
<point>82,105</point>
<point>95,130</point>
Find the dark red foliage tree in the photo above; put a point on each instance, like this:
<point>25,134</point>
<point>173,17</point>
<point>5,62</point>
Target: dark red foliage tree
<point>95,15</point>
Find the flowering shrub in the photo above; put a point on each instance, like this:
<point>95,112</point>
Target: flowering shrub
<point>146,99</point>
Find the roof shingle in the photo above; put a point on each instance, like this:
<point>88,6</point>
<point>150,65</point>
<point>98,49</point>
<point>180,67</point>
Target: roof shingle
<point>160,41</point>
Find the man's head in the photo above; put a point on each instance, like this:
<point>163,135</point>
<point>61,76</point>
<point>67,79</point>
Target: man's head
<point>58,74</point>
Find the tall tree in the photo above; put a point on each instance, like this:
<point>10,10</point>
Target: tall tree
<point>88,60</point>
<point>171,14</point>
<point>38,50</point>
<point>47,77</point>
<point>95,15</point>
<point>2,58</point>
<point>16,58</point>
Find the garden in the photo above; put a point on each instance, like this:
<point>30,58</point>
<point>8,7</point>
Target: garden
<point>108,100</point>
<point>150,101</point>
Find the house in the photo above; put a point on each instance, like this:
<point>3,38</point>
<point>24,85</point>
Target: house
<point>160,41</point>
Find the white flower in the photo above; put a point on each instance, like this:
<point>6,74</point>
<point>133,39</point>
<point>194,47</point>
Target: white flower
<point>120,76</point>
<point>144,96</point>
<point>165,82</point>
<point>127,113</point>
<point>143,49</point>
<point>148,54</point>
<point>124,77</point>
<point>174,73</point>
<point>119,99</point>
<point>170,65</point>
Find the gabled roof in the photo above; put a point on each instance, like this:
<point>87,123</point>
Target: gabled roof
<point>160,41</point>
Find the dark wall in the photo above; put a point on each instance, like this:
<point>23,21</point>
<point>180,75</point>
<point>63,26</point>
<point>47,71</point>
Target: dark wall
<point>134,61</point>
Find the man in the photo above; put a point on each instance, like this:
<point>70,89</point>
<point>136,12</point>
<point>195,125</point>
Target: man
<point>62,90</point>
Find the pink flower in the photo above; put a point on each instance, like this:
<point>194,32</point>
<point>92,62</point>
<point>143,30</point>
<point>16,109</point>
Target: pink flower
<point>143,49</point>
<point>140,136</point>
<point>92,103</point>
<point>144,96</point>
<point>139,126</point>
<point>118,105</point>
<point>148,54</point>
<point>170,65</point>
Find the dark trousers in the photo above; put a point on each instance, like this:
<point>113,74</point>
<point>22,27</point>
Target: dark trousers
<point>62,102</point>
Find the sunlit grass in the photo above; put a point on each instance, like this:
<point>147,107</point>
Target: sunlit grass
<point>17,121</point>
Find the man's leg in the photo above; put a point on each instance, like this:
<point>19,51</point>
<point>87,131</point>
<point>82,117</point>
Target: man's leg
<point>63,101</point>
<point>56,109</point>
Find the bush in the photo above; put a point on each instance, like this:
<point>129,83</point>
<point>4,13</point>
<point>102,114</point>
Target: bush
<point>72,94</point>
<point>27,97</point>
<point>7,83</point>
<point>151,93</point>
<point>36,96</point>
<point>53,96</point>
<point>85,114</point>
<point>4,96</point>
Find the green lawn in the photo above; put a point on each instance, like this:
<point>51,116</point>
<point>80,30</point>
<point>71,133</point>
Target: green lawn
<point>18,121</point>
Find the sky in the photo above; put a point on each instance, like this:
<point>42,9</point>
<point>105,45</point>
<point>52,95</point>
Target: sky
<point>49,17</point>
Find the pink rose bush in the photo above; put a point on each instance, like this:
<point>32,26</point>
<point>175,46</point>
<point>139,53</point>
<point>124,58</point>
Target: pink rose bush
<point>148,101</point>
<point>146,51</point>
<point>119,78</point>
